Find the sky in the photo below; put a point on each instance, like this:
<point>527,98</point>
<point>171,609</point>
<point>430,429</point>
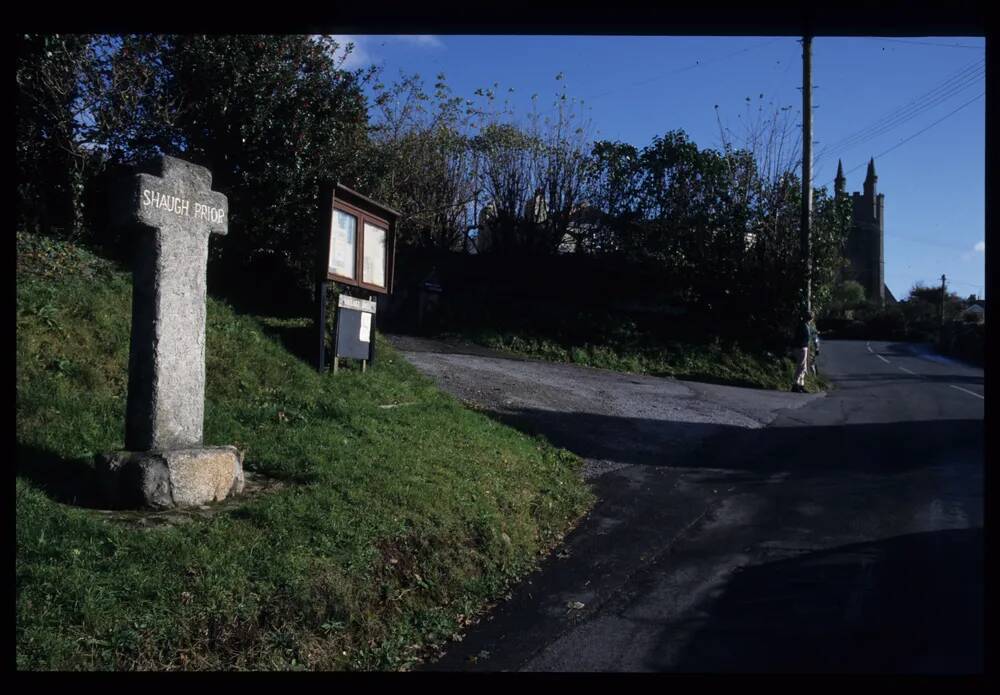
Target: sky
<point>915,104</point>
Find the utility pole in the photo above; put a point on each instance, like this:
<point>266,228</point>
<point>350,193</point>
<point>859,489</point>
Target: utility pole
<point>942,299</point>
<point>807,197</point>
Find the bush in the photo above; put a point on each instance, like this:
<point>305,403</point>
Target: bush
<point>966,341</point>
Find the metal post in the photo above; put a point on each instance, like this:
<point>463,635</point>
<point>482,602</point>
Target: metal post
<point>336,337</point>
<point>371,343</point>
<point>321,325</point>
<point>807,199</point>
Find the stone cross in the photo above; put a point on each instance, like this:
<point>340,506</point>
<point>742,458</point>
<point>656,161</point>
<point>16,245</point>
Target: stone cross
<point>172,212</point>
<point>166,387</point>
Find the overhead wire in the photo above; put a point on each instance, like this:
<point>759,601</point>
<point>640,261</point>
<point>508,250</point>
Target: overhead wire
<point>928,242</point>
<point>928,43</point>
<point>956,83</point>
<point>922,130</point>
<point>696,64</point>
<point>904,118</point>
<point>887,124</point>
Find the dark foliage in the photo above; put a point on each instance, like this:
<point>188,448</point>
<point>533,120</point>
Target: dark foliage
<point>273,117</point>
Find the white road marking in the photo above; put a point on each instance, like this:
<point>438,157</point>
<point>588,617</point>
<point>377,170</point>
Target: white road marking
<point>869,346</point>
<point>883,359</point>
<point>908,371</point>
<point>971,393</point>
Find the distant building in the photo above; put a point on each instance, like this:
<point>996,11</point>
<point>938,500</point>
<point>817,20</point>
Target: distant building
<point>865,246</point>
<point>975,313</point>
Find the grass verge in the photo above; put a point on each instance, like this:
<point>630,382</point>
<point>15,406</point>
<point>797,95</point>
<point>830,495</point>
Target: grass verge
<point>396,525</point>
<point>712,362</point>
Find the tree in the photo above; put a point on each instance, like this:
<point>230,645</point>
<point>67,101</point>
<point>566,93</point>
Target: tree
<point>560,170</point>
<point>54,135</point>
<point>273,117</point>
<point>506,156</point>
<point>846,297</point>
<point>830,226</point>
<point>420,161</point>
<point>612,186</point>
<point>924,304</point>
<point>532,176</point>
<point>134,112</point>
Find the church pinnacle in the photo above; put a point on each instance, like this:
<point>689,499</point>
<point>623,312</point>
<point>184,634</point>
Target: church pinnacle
<point>870,179</point>
<point>839,183</point>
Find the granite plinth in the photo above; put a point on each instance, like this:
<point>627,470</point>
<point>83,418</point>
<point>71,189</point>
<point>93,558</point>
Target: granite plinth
<point>171,478</point>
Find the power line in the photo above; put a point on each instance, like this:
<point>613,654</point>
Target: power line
<point>922,130</point>
<point>968,284</point>
<point>905,117</point>
<point>929,43</point>
<point>957,77</point>
<point>957,82</point>
<point>696,64</point>
<point>784,72</point>
<point>918,240</point>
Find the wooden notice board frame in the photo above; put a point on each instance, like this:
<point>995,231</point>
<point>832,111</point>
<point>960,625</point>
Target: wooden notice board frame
<point>363,209</point>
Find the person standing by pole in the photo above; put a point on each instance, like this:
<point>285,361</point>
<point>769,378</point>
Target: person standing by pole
<point>813,346</point>
<point>803,338</point>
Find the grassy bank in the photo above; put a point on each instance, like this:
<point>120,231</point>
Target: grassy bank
<point>713,362</point>
<point>402,513</point>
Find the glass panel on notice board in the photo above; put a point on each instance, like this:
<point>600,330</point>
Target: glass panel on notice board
<point>374,256</point>
<point>343,244</point>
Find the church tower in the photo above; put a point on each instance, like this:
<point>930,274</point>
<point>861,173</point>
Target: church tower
<point>865,248</point>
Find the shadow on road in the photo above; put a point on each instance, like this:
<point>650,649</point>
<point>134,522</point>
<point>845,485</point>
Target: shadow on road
<point>912,604</point>
<point>802,450</point>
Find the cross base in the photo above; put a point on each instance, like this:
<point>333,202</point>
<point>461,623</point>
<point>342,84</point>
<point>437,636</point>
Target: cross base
<point>170,478</point>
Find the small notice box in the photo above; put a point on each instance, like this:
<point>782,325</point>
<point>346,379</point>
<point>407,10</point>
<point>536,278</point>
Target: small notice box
<point>354,334</point>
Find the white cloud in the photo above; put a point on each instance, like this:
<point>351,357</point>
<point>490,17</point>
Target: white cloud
<point>424,40</point>
<point>365,46</point>
<point>359,55</point>
<point>980,247</point>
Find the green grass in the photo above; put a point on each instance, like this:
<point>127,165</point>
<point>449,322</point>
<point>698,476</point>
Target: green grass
<point>712,362</point>
<point>395,527</point>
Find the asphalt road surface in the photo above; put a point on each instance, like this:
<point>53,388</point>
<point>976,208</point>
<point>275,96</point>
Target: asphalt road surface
<point>740,530</point>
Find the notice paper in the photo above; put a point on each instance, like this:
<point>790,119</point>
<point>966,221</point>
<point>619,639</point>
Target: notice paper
<point>366,327</point>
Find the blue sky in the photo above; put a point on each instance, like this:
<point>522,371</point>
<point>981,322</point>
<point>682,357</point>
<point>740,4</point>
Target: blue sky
<point>878,92</point>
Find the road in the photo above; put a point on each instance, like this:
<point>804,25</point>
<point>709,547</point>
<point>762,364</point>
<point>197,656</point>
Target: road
<point>740,530</point>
